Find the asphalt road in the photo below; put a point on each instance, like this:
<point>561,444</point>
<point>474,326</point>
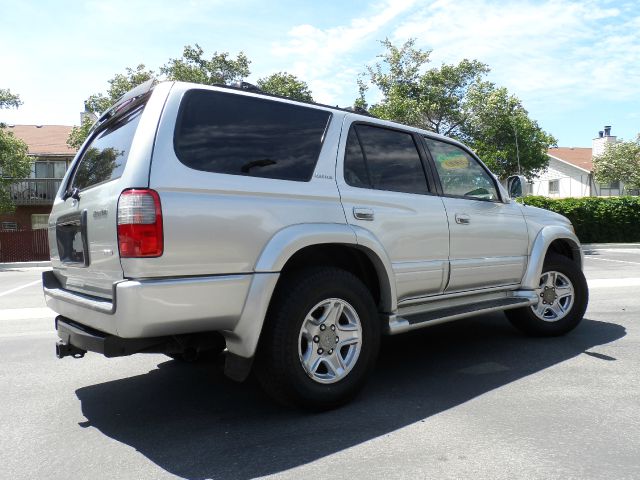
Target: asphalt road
<point>472,399</point>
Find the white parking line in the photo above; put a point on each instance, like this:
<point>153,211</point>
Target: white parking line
<point>19,288</point>
<point>613,282</point>
<point>589,257</point>
<point>26,313</point>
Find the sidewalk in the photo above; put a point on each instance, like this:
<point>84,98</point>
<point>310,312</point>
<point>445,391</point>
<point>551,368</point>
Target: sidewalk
<point>7,266</point>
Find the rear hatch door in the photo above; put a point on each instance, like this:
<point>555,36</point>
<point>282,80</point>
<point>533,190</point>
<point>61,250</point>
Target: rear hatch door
<point>83,224</point>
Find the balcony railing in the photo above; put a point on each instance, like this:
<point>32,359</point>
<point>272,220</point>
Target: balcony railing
<point>35,191</point>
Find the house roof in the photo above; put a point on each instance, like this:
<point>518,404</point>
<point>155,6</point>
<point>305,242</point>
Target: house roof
<point>44,139</point>
<point>577,156</point>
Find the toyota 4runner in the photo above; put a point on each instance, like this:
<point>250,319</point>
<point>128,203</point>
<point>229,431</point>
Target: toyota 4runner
<point>196,219</point>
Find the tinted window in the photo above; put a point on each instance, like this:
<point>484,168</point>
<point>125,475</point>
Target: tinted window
<point>391,158</point>
<point>241,135</point>
<point>460,174</point>
<point>355,169</point>
<point>106,156</point>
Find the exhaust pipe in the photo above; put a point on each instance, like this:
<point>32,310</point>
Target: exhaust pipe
<point>67,350</point>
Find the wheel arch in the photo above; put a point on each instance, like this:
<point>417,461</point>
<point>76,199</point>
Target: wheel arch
<point>308,245</point>
<point>551,239</point>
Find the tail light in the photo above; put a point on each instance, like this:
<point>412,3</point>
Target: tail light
<point>140,224</point>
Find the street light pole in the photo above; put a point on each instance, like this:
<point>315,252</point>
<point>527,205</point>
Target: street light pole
<point>515,129</point>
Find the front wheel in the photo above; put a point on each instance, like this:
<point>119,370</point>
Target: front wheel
<point>320,339</point>
<point>562,300</point>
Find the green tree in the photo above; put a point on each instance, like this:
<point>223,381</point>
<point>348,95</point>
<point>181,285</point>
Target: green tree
<point>620,161</point>
<point>500,131</point>
<point>219,69</point>
<point>456,101</point>
<point>80,133</point>
<point>191,67</point>
<point>286,85</point>
<point>118,86</point>
<point>14,162</point>
<point>8,99</point>
<point>100,102</point>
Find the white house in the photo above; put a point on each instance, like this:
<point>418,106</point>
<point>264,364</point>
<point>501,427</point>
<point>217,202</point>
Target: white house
<point>570,171</point>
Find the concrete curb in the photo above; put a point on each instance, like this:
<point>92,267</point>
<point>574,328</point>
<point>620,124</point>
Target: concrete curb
<point>6,266</point>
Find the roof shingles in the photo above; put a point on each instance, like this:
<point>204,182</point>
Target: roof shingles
<point>44,139</point>
<point>577,156</point>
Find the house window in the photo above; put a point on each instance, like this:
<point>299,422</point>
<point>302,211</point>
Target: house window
<point>39,220</point>
<point>48,169</point>
<point>608,189</point>
<point>554,186</point>
<point>9,226</point>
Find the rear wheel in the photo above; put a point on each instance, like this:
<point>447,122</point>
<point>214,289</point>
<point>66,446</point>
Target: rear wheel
<point>320,340</point>
<point>562,300</point>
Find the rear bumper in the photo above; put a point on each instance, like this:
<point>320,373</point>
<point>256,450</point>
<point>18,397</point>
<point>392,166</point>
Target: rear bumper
<point>76,339</point>
<point>155,308</point>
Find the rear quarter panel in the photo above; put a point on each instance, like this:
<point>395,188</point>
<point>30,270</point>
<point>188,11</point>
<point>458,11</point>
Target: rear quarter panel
<point>218,223</point>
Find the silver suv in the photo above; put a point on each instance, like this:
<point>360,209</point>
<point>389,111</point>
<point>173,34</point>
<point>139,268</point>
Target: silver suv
<point>196,219</point>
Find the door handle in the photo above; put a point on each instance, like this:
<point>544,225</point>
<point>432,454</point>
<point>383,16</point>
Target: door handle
<point>463,219</point>
<point>360,213</point>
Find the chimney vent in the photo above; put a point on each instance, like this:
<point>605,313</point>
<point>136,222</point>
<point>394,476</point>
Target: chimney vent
<point>607,130</point>
<point>600,133</point>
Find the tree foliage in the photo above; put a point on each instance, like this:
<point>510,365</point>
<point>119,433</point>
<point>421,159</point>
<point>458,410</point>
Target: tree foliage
<point>14,162</point>
<point>80,133</point>
<point>503,135</point>
<point>8,99</point>
<point>620,161</point>
<point>193,67</point>
<point>286,85</point>
<point>456,101</point>
<point>118,86</point>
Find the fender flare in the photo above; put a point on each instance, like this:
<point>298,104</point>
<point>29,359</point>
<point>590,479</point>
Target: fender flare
<point>284,244</point>
<point>545,237</point>
<point>243,339</point>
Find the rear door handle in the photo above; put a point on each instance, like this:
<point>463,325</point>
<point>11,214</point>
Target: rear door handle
<point>463,219</point>
<point>360,213</point>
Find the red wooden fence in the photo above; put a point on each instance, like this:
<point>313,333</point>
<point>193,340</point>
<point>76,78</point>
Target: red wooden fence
<point>24,246</point>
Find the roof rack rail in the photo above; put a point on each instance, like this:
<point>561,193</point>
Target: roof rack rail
<point>250,87</point>
<point>359,111</point>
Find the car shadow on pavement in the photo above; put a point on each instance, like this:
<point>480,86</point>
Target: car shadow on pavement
<point>193,422</point>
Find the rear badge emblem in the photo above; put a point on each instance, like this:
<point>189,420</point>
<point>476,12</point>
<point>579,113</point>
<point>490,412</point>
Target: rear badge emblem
<point>100,213</point>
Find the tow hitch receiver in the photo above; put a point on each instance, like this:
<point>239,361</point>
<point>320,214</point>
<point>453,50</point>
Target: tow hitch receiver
<point>64,349</point>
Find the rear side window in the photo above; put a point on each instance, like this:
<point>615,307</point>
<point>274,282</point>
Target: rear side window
<point>383,159</point>
<point>106,156</point>
<point>241,135</point>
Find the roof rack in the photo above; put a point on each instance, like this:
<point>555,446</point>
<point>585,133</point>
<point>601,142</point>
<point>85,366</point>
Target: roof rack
<point>250,87</point>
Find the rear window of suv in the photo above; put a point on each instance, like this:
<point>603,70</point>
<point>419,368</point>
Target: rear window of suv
<point>106,156</point>
<point>242,135</point>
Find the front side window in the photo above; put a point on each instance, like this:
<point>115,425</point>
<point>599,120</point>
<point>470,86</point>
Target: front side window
<point>106,156</point>
<point>383,159</point>
<point>241,135</point>
<point>460,174</point>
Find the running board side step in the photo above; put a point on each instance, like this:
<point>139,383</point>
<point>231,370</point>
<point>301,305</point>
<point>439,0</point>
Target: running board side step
<point>435,317</point>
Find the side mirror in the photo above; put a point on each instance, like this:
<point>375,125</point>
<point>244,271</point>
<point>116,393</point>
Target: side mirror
<point>516,185</point>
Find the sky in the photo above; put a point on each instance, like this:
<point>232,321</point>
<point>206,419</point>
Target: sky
<point>574,64</point>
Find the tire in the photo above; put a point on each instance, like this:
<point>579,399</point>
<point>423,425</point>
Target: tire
<point>297,362</point>
<point>562,300</point>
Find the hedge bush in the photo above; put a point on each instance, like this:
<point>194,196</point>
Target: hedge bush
<point>596,219</point>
